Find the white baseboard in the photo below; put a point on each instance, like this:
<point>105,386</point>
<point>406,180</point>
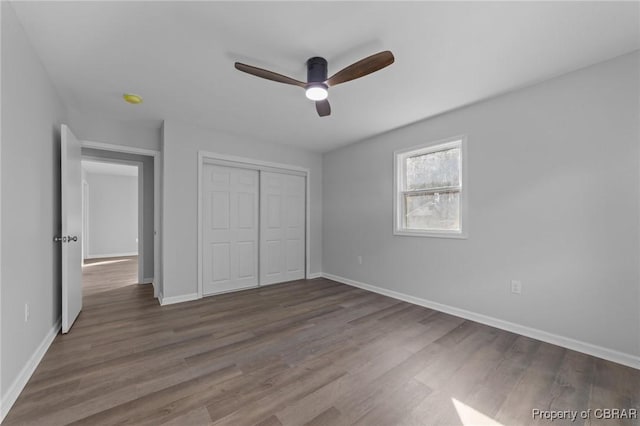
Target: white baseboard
<point>147,281</point>
<point>566,342</point>
<point>177,299</point>
<point>12,394</point>
<point>315,275</point>
<point>102,256</point>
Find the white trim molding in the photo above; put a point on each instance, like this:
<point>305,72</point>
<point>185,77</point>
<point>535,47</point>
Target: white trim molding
<point>235,161</point>
<point>177,299</point>
<point>555,339</point>
<point>314,275</point>
<point>119,148</point>
<point>12,394</point>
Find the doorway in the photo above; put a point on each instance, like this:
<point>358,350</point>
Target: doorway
<point>72,189</point>
<point>149,204</point>
<point>113,223</point>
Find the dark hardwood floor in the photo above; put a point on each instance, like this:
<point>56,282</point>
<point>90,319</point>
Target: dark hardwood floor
<point>304,353</point>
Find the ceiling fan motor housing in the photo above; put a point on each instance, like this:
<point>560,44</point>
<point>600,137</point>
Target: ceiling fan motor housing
<point>316,70</point>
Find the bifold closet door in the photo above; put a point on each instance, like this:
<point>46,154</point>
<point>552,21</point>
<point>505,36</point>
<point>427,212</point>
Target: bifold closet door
<point>282,227</point>
<point>230,222</point>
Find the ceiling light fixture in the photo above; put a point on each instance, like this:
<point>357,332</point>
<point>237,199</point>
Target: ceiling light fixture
<point>317,84</point>
<point>317,92</point>
<point>132,98</point>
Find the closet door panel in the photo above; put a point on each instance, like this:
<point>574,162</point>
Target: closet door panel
<point>230,240</point>
<point>282,222</point>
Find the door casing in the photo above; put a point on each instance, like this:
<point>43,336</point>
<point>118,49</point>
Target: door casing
<point>157,277</point>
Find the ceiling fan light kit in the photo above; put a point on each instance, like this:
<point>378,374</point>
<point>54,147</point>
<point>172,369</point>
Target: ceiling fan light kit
<point>316,89</point>
<point>317,85</point>
<point>317,92</point>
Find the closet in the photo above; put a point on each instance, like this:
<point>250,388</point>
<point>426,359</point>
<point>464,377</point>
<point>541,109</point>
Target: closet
<point>253,227</point>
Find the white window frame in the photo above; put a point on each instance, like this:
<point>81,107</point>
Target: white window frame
<point>399,185</point>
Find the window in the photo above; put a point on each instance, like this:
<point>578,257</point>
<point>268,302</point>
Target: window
<point>430,197</point>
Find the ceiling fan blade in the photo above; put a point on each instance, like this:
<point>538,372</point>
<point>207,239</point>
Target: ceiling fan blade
<point>323,108</point>
<point>269,75</point>
<point>363,67</point>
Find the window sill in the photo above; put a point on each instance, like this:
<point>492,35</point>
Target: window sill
<point>430,234</point>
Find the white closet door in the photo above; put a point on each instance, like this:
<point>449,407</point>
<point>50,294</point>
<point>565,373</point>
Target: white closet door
<point>282,224</point>
<point>230,219</point>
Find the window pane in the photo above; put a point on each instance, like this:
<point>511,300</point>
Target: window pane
<point>434,170</point>
<point>433,211</point>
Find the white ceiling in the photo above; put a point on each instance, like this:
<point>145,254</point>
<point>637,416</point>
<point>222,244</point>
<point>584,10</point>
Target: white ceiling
<point>112,169</point>
<point>180,55</point>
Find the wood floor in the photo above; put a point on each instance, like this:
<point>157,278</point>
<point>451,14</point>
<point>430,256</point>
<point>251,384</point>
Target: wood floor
<point>304,353</point>
<point>106,274</point>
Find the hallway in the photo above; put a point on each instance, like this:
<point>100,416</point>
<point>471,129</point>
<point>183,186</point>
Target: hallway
<point>100,275</point>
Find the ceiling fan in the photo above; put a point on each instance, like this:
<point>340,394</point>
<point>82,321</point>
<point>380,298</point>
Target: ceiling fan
<point>317,82</point>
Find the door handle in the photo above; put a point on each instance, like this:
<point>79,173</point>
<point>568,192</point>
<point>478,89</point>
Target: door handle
<point>65,239</point>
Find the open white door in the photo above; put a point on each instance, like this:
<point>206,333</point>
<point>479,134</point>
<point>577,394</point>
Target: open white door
<point>71,239</point>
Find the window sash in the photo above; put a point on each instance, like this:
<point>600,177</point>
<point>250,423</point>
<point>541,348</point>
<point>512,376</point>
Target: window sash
<point>402,164</point>
<point>402,193</point>
<point>404,211</point>
<point>448,147</point>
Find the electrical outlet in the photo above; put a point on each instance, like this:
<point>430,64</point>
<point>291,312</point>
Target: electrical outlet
<point>516,287</point>
<point>359,260</point>
<point>26,312</point>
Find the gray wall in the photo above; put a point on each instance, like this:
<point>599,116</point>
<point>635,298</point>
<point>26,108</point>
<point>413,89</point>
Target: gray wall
<point>112,215</point>
<point>554,202</point>
<point>31,116</point>
<point>147,202</point>
<point>181,144</point>
<point>96,128</point>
